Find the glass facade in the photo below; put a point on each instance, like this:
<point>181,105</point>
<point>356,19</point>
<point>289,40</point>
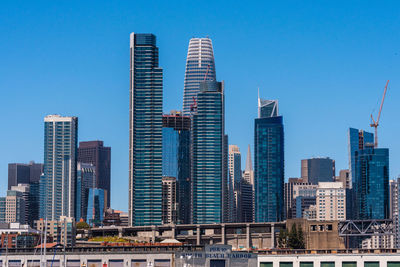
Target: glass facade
<point>208,150</point>
<point>269,165</point>
<point>86,178</point>
<point>145,131</point>
<point>200,66</point>
<point>57,185</point>
<point>371,184</point>
<point>95,206</point>
<point>176,159</point>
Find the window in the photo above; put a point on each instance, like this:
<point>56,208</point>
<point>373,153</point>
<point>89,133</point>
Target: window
<point>327,264</point>
<point>266,264</point>
<point>349,264</point>
<point>371,264</point>
<point>393,264</point>
<point>286,264</point>
<point>307,264</point>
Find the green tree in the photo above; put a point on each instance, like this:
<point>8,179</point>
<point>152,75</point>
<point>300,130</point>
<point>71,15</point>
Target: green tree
<point>282,238</point>
<point>292,242</point>
<point>82,225</point>
<point>300,238</point>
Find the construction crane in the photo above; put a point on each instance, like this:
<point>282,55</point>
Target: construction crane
<point>374,123</point>
<point>193,106</point>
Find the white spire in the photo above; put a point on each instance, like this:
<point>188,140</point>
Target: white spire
<point>249,164</point>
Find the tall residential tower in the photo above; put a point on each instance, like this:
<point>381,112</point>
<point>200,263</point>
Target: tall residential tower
<point>200,67</point>
<point>57,185</point>
<point>145,131</point>
<point>269,163</point>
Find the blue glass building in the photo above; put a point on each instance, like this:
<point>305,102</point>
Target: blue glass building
<point>200,66</point>
<point>95,206</point>
<point>145,132</point>
<point>357,140</point>
<point>58,184</point>
<point>209,149</point>
<point>86,179</point>
<point>269,163</point>
<point>371,184</point>
<point>176,159</point>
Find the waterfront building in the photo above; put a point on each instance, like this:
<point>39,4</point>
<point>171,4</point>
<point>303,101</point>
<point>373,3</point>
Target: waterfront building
<point>234,181</point>
<point>209,154</point>
<point>94,152</point>
<point>317,170</point>
<point>200,67</point>
<point>176,159</point>
<point>248,179</point>
<point>269,163</point>
<point>331,201</point>
<point>62,231</point>
<point>96,203</point>
<point>371,183</point>
<point>169,203</point>
<point>145,131</point>
<point>86,179</point>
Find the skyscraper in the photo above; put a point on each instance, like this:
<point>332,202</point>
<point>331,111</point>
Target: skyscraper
<point>235,176</point>
<point>331,201</point>
<point>57,185</point>
<point>208,150</point>
<point>21,173</point>
<point>248,214</point>
<point>357,140</point>
<point>86,179</point>
<point>371,183</point>
<point>200,67</point>
<point>269,163</point>
<point>176,159</point>
<point>94,152</point>
<point>145,131</point>
<point>317,170</point>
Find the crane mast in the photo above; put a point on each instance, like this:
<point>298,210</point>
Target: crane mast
<point>374,123</point>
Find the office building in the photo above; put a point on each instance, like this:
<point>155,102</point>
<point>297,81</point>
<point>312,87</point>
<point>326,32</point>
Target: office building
<point>331,201</point>
<point>248,179</point>
<point>96,203</point>
<point>200,67</point>
<point>371,183</point>
<point>94,152</point>
<point>269,163</point>
<point>301,204</point>
<point>86,179</point>
<point>176,159</point>
<point>297,188</point>
<point>344,178</point>
<point>234,180</point>
<point>62,231</point>
<point>169,203</point>
<point>317,170</point>
<point>209,154</point>
<point>145,131</point>
<point>57,185</point>
<point>12,208</point>
<point>25,193</point>
<point>21,173</point>
<point>394,209</point>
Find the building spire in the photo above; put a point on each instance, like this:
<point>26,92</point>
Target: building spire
<point>249,164</point>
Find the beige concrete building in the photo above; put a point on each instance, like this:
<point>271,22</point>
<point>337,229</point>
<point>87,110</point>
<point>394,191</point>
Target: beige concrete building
<point>331,201</point>
<point>169,205</point>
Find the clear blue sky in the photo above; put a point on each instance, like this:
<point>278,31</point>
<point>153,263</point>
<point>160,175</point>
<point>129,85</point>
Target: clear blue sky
<point>325,61</point>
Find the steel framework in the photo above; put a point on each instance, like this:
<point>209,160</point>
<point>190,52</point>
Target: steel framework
<point>366,227</point>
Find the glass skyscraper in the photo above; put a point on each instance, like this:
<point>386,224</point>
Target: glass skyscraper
<point>95,206</point>
<point>269,163</point>
<point>208,148</point>
<point>371,184</point>
<point>57,185</point>
<point>200,67</point>
<point>176,159</point>
<point>145,131</point>
<point>86,179</point>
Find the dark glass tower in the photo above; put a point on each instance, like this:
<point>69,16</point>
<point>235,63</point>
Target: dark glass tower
<point>145,131</point>
<point>94,152</point>
<point>371,184</point>
<point>209,159</point>
<point>269,163</point>
<point>176,159</point>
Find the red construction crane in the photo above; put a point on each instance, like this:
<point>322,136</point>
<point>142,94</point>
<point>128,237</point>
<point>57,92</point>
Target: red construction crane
<point>374,123</point>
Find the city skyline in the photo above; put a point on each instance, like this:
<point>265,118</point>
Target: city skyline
<point>28,147</point>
